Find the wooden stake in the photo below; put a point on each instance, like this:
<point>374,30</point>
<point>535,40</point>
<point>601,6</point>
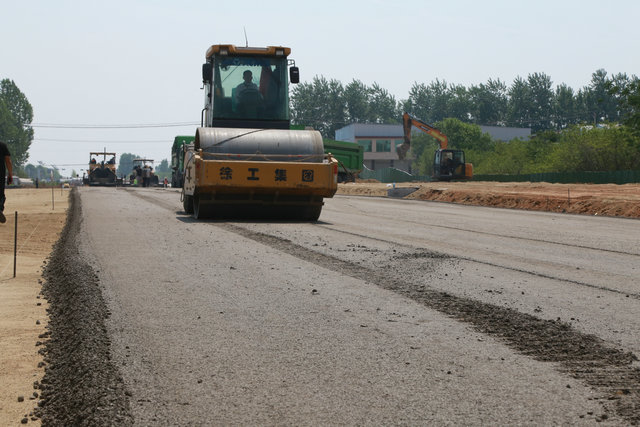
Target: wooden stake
<point>15,245</point>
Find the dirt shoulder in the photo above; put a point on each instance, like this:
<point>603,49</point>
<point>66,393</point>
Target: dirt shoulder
<point>23,311</point>
<point>588,199</point>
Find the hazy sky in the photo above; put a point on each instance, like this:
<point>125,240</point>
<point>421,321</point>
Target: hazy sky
<point>139,62</point>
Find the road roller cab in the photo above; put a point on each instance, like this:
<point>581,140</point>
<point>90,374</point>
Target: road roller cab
<point>247,87</point>
<point>245,160</point>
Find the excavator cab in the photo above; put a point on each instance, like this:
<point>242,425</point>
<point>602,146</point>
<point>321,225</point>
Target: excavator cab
<point>449,165</point>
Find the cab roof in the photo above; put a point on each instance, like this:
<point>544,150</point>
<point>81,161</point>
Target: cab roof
<point>239,50</point>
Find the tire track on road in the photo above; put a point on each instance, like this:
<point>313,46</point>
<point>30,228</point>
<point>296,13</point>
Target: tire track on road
<point>508,236</point>
<point>588,358</point>
<point>505,267</point>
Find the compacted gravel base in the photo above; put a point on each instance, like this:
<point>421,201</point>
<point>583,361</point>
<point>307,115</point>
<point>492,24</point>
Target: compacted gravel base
<point>611,372</point>
<point>81,386</point>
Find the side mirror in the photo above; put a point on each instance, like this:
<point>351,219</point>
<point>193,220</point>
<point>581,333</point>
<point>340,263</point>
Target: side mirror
<point>207,72</point>
<point>294,75</point>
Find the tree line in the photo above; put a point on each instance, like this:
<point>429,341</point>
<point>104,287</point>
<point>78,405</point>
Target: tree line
<point>530,102</point>
<point>596,128</point>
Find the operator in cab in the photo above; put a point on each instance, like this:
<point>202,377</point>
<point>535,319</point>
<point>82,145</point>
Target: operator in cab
<point>248,97</point>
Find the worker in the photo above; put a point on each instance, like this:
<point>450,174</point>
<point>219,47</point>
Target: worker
<point>447,164</point>
<point>146,176</point>
<point>5,168</point>
<point>247,95</point>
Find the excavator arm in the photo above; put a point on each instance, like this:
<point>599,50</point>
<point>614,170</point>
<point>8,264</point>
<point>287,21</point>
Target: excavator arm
<point>408,121</point>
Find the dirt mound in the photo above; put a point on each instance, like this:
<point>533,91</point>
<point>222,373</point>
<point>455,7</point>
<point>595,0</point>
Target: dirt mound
<point>587,199</point>
<point>81,386</point>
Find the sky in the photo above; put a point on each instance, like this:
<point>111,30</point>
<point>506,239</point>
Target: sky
<point>125,75</point>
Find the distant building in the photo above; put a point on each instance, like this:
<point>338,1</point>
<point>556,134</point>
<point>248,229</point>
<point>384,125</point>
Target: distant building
<point>380,141</point>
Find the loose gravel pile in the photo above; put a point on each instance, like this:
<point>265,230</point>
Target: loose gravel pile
<point>81,385</point>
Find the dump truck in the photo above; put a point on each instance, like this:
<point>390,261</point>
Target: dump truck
<point>179,148</point>
<point>448,164</point>
<point>101,171</point>
<point>350,158</point>
<point>245,160</point>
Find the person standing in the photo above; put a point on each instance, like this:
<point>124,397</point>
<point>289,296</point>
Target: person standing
<point>5,166</point>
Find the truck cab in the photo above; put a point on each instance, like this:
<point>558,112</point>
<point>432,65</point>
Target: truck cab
<point>247,87</point>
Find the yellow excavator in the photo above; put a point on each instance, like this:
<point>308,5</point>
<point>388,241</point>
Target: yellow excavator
<point>448,164</point>
<point>245,160</point>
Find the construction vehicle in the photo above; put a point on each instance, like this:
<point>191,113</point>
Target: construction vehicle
<point>180,145</point>
<point>448,164</point>
<point>245,160</point>
<point>101,171</point>
<point>143,172</point>
<point>350,158</point>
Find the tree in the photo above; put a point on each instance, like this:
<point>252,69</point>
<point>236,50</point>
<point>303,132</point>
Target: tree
<point>583,113</point>
<point>541,97</point>
<point>506,158</point>
<point>460,103</point>
<point>429,103</point>
<point>464,136</point>
<point>163,167</point>
<point>30,171</point>
<point>628,95</point>
<point>564,107</point>
<point>600,103</point>
<point>595,149</point>
<point>489,102</point>
<point>383,107</point>
<point>519,105</point>
<point>356,96</point>
<point>16,115</point>
<point>125,164</point>
<point>319,104</point>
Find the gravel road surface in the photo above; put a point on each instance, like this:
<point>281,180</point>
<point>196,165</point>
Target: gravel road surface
<point>384,312</point>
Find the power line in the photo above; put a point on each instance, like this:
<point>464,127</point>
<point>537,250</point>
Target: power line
<point>104,141</point>
<point>117,126</point>
<point>68,165</point>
